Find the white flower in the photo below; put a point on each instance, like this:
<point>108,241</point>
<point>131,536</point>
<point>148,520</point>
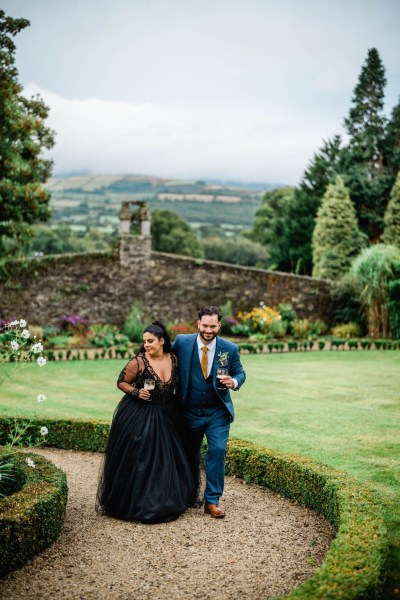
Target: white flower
<point>13,323</point>
<point>22,323</point>
<point>41,361</point>
<point>25,334</point>
<point>44,430</point>
<point>14,345</point>
<point>30,463</point>
<point>41,397</point>
<point>36,348</point>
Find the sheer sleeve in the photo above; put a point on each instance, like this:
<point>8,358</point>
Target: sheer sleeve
<point>129,374</point>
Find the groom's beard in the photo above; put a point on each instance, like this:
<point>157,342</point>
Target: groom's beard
<point>208,337</point>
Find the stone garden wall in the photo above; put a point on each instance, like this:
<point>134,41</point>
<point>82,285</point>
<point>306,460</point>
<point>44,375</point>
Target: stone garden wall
<point>102,287</point>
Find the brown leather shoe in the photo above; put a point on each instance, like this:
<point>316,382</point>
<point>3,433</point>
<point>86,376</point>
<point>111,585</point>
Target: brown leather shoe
<point>214,510</point>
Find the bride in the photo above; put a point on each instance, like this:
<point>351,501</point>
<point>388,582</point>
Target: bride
<point>145,474</point>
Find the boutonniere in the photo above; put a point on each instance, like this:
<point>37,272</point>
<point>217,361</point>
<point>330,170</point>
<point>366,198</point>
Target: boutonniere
<point>223,358</point>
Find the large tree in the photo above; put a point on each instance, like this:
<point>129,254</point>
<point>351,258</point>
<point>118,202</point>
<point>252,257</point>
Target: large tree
<point>391,143</point>
<point>170,233</point>
<point>23,136</point>
<point>367,177</point>
<point>336,238</point>
<point>392,216</point>
<point>270,222</point>
<point>299,222</point>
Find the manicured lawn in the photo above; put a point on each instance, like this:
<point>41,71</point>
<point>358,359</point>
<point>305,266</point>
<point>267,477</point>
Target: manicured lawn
<point>341,408</point>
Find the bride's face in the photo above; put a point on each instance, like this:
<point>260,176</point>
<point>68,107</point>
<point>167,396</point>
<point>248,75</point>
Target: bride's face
<point>152,345</point>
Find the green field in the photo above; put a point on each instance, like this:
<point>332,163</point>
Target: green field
<point>341,408</point>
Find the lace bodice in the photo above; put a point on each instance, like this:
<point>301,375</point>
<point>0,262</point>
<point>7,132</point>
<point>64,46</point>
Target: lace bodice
<point>138,369</point>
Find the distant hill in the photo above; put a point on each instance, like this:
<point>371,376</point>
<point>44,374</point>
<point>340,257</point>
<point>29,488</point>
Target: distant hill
<point>94,200</point>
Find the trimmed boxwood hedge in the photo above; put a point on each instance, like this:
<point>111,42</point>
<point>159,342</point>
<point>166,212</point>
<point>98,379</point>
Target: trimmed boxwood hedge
<point>31,519</point>
<point>73,434</point>
<point>354,566</point>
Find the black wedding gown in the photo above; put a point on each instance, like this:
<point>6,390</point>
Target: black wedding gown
<point>146,475</point>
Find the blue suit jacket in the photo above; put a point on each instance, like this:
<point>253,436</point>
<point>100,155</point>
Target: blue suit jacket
<point>185,345</point>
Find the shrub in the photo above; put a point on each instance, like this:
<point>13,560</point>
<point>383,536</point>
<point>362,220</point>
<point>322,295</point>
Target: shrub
<point>175,329</point>
<point>31,519</point>
<point>278,328</point>
<point>228,321</point>
<point>321,344</point>
<point>251,349</point>
<point>337,343</point>
<point>134,323</point>
<point>365,344</point>
<point>102,335</point>
<point>352,344</point>
<point>293,346</point>
<point>37,332</point>
<point>260,318</point>
<point>318,327</point>
<point>288,315</point>
<point>74,324</point>
<point>347,330</point>
<point>354,565</point>
<point>301,328</point>
<point>59,341</point>
<point>375,272</point>
<point>241,329</point>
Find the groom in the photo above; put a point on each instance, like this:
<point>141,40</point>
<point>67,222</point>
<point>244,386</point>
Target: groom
<point>208,410</point>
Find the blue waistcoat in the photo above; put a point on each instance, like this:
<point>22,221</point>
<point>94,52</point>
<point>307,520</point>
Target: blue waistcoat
<point>201,392</point>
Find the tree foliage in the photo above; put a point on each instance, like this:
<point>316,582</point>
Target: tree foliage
<point>23,136</point>
<point>300,218</point>
<point>368,162</point>
<point>367,177</point>
<point>376,278</point>
<point>238,251</point>
<point>269,228</point>
<point>336,238</point>
<point>170,233</point>
<point>392,216</point>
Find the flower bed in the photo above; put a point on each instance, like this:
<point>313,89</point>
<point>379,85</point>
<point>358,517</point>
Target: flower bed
<point>31,519</point>
<point>354,565</point>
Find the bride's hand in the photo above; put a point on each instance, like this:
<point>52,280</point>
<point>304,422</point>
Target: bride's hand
<point>144,394</point>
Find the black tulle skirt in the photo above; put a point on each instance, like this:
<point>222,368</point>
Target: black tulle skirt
<point>145,474</point>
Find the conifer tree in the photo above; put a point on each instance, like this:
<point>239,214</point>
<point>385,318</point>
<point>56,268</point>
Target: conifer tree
<point>367,178</point>
<point>336,238</point>
<point>392,142</point>
<point>392,216</point>
<point>23,135</point>
<point>298,225</point>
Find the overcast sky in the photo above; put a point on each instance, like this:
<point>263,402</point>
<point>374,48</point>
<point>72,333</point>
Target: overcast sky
<point>238,89</point>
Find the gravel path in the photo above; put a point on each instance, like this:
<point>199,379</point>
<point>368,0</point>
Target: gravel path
<point>266,545</point>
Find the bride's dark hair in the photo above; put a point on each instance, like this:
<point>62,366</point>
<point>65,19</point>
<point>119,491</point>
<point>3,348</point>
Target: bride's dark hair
<point>158,329</point>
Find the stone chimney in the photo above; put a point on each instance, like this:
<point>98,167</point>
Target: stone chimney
<point>134,247</point>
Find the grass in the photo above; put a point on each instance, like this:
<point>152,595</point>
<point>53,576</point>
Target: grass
<point>340,408</point>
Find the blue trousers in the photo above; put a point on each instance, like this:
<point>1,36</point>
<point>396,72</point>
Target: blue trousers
<point>214,423</point>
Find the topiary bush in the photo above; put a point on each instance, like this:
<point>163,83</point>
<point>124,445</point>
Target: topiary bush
<point>31,519</point>
<point>354,565</point>
<point>71,434</point>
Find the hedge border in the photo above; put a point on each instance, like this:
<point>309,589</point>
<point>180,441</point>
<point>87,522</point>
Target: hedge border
<point>32,518</point>
<point>354,565</point>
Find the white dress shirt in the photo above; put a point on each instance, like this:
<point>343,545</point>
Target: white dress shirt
<point>210,355</point>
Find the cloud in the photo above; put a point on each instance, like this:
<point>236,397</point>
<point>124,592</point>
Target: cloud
<point>248,143</point>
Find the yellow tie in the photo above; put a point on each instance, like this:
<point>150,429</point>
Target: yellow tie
<point>204,361</point>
